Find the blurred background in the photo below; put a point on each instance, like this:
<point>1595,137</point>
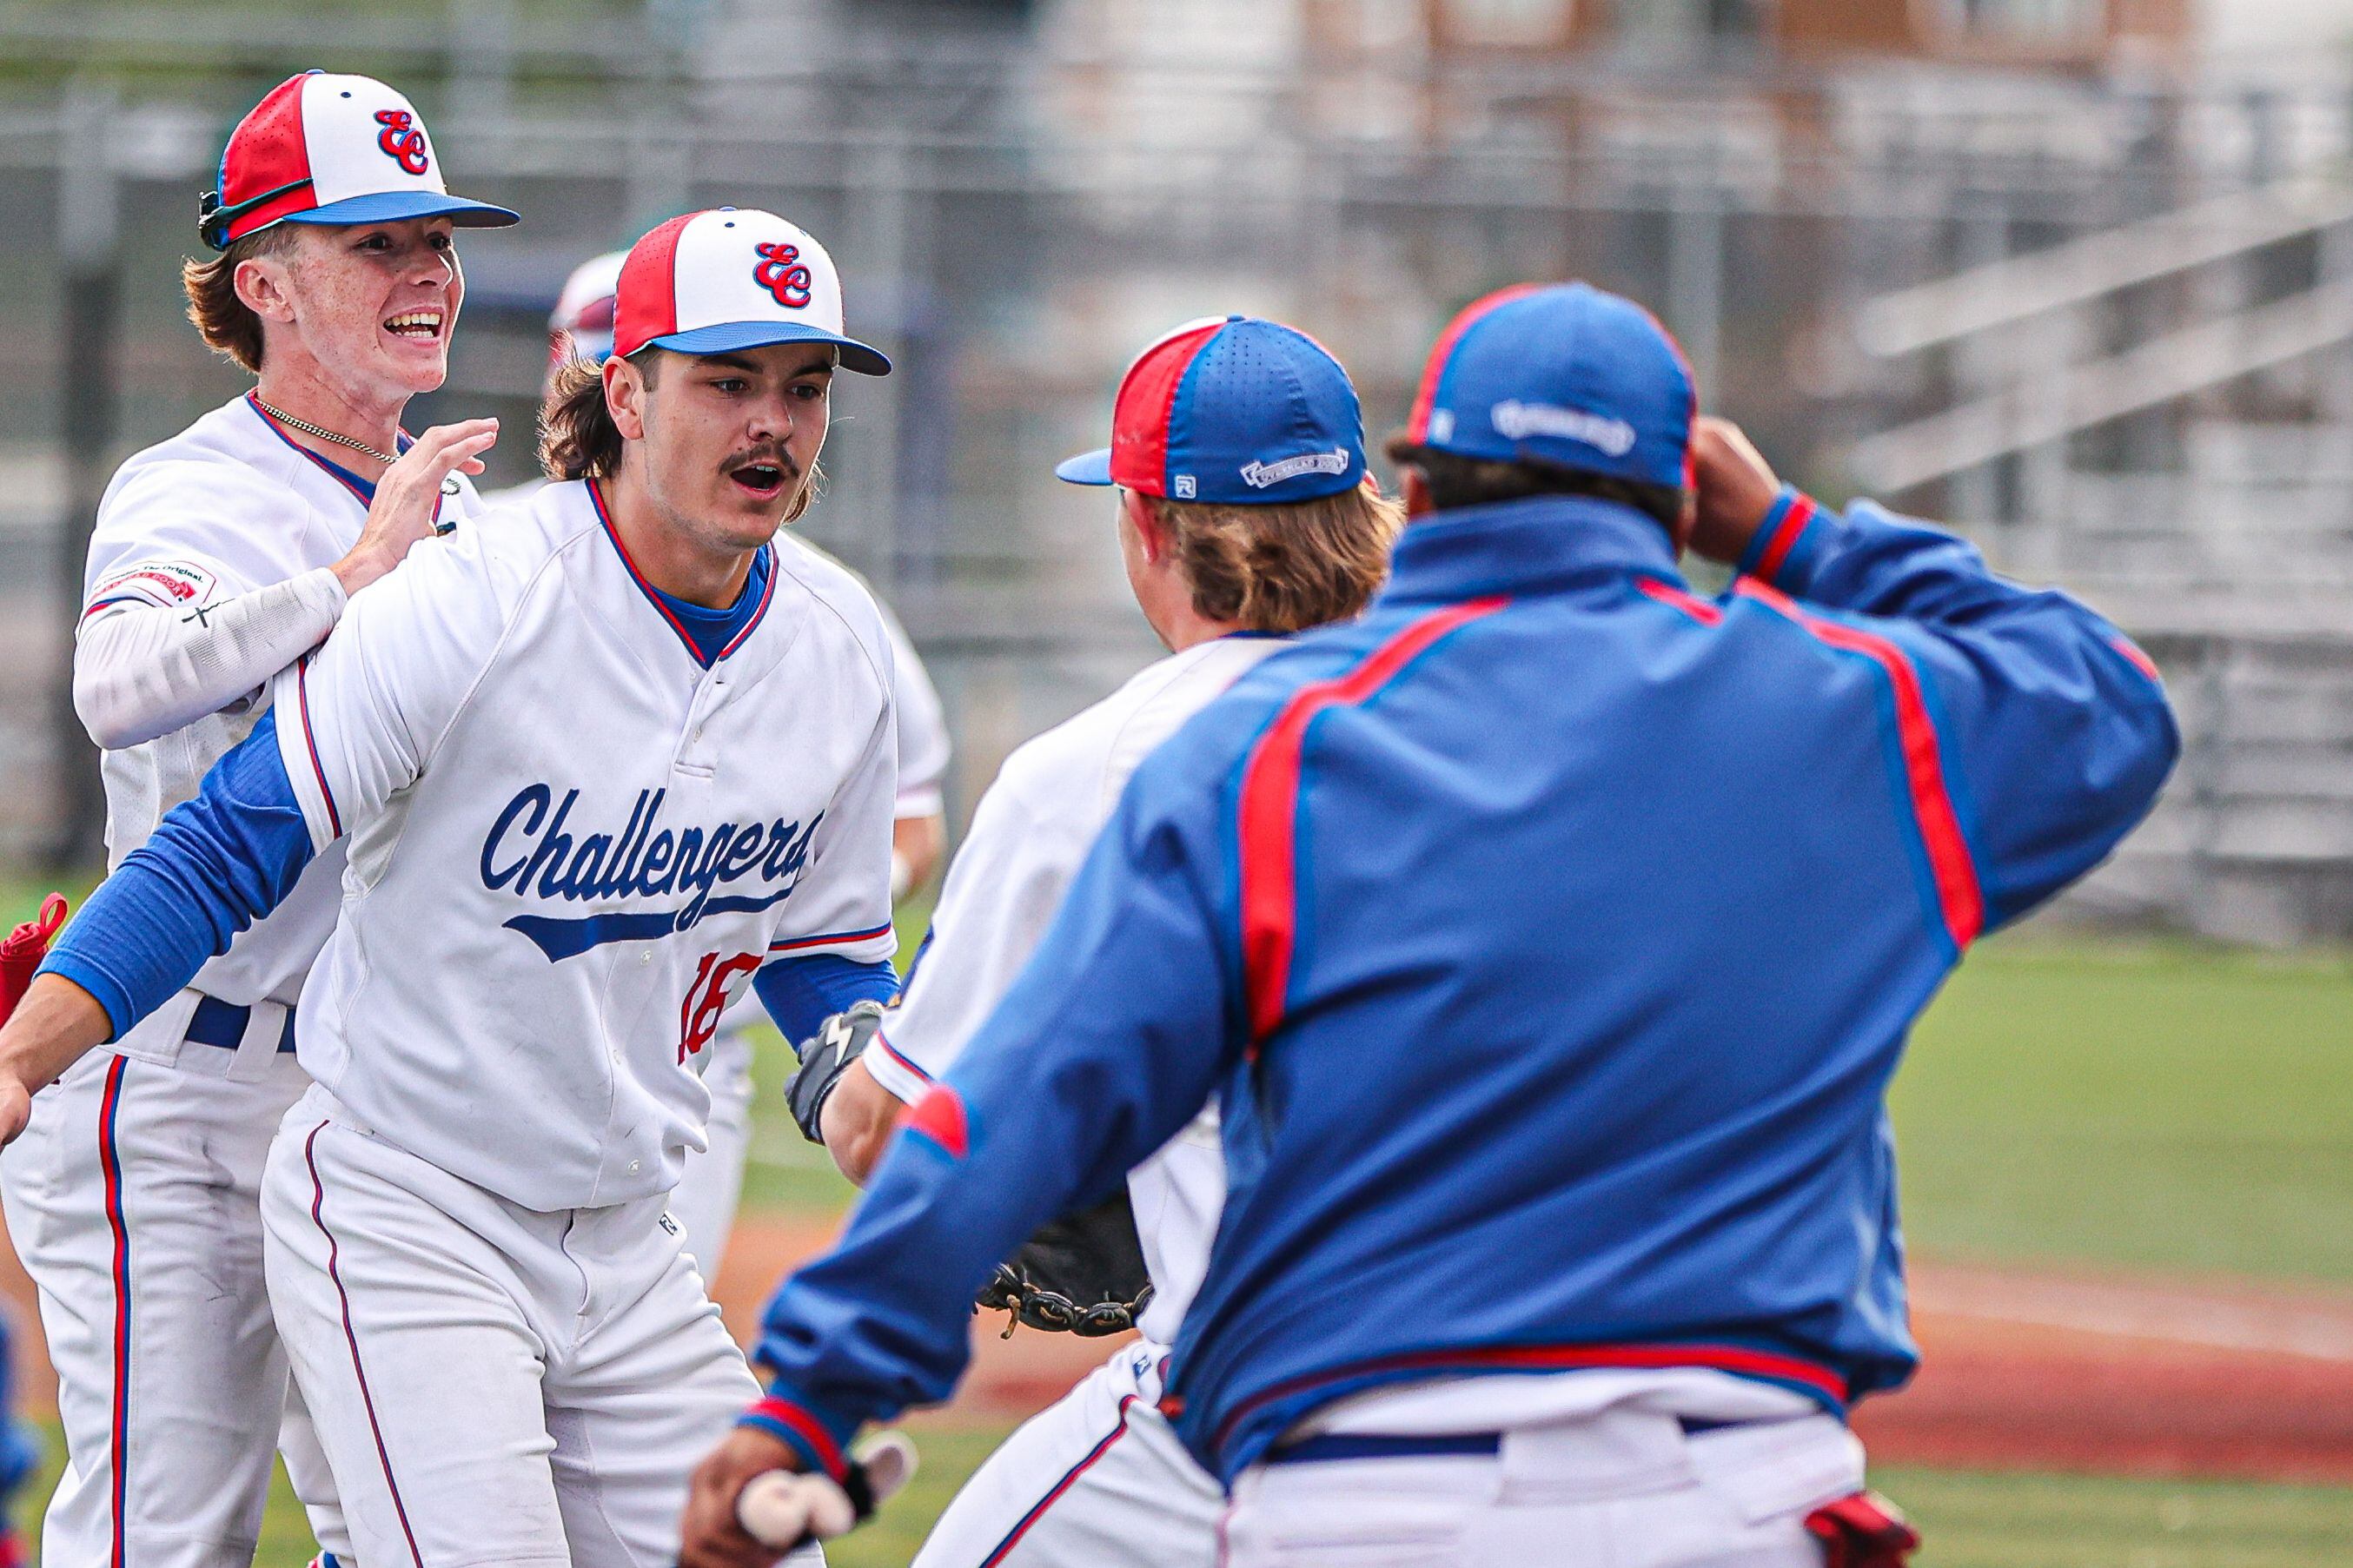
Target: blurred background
<point>2076,276</point>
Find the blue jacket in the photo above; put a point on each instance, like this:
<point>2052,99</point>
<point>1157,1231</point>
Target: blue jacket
<point>1551,936</point>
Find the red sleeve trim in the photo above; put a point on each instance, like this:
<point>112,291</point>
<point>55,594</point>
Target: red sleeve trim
<point>1269,810</point>
<point>800,1424</point>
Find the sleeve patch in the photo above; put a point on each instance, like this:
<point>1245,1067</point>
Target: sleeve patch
<point>166,585</point>
<point>939,1116</point>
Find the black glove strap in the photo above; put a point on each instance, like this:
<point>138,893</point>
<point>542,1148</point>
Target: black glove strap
<point>824,1056</point>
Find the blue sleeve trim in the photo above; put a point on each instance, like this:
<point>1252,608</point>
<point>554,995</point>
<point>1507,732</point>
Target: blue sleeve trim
<point>214,865</point>
<point>802,992</point>
<point>1775,516</point>
<point>104,989</point>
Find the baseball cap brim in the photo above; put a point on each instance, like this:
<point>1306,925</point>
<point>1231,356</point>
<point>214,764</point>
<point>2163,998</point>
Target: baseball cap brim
<point>1086,469</point>
<point>390,206</point>
<point>731,337</point>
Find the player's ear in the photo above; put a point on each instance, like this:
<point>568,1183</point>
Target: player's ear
<point>625,398</point>
<point>1149,534</point>
<point>263,285</point>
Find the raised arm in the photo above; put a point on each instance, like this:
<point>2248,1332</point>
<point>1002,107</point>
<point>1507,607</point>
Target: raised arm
<point>2040,733</point>
<point>166,638</point>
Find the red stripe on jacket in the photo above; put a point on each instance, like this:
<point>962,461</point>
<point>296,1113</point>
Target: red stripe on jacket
<point>1268,811</point>
<point>1949,863</point>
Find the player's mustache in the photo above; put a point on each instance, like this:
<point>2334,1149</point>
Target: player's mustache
<point>750,455</point>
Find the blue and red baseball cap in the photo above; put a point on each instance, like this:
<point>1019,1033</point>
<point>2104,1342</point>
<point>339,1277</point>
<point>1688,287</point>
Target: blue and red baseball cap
<point>332,149</point>
<point>731,278</point>
<point>1562,374</point>
<point>1230,409</point>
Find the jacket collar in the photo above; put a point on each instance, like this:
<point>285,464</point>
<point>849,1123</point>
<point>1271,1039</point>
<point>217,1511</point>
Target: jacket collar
<point>1524,546</point>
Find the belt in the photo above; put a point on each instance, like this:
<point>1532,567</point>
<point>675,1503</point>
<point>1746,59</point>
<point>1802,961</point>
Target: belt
<point>1386,1445</point>
<point>218,1023</point>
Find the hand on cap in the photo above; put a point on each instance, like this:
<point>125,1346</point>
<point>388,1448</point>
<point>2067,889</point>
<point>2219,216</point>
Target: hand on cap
<point>408,498</point>
<point>1735,489</point>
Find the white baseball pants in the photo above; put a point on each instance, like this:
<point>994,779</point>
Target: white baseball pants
<point>1095,1480</point>
<point>134,1201</point>
<point>491,1383</point>
<point>712,1185</point>
<point>1625,1489</point>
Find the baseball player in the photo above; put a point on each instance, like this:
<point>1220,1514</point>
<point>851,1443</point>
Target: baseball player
<point>1549,938</point>
<point>218,558</point>
<point>581,328</point>
<point>1259,428</point>
<point>602,764</point>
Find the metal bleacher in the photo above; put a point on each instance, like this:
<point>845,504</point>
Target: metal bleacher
<point>2197,484</point>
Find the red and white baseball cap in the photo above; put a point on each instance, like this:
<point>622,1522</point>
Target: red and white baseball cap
<point>332,149</point>
<point>731,278</point>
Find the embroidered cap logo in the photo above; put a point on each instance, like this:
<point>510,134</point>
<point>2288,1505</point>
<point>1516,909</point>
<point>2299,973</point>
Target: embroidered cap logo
<point>781,274</point>
<point>401,140</point>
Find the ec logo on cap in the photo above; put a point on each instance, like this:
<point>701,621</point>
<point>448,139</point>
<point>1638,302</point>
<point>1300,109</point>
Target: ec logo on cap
<point>781,273</point>
<point>401,140</point>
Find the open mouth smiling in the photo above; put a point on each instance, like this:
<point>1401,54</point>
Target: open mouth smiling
<point>421,326</point>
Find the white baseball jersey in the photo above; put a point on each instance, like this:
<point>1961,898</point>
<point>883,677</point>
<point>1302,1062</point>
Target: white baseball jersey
<point>226,507</point>
<point>570,843</point>
<point>1029,836</point>
<point>923,744</point>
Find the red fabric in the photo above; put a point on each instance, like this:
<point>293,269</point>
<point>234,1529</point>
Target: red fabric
<point>939,1116</point>
<point>645,304</point>
<point>1268,815</point>
<point>267,151</point>
<point>21,951</point>
<point>1949,865</point>
<point>1139,415</point>
<point>1862,1532</point>
<point>1785,537</point>
<point>785,1414</point>
<point>1697,608</point>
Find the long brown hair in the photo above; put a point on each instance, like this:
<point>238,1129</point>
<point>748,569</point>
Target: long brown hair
<point>225,322</point>
<point>1283,568</point>
<point>577,438</point>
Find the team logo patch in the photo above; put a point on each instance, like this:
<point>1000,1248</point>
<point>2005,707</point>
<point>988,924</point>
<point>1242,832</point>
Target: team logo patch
<point>781,273</point>
<point>402,140</point>
<point>1516,421</point>
<point>1259,476</point>
<point>170,584</point>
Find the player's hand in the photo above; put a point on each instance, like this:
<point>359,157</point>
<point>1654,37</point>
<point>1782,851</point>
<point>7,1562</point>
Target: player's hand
<point>711,1536</point>
<point>409,495</point>
<point>1736,488</point>
<point>15,1107</point>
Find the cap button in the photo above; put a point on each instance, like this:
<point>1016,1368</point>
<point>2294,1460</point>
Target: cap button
<point>1236,316</point>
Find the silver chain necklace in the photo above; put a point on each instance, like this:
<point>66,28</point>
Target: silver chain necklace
<point>304,426</point>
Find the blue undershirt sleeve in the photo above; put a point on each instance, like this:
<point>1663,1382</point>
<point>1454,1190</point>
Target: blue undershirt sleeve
<point>802,993</point>
<point>214,865</point>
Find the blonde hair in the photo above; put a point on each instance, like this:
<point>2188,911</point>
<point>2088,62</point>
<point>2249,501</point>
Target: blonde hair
<point>577,438</point>
<point>1283,568</point>
<point>225,322</point>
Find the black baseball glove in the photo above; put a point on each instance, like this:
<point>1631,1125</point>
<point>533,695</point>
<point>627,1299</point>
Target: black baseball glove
<point>824,1056</point>
<point>1083,1274</point>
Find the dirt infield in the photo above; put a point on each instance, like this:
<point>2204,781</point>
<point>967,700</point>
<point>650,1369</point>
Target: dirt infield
<point>2040,1370</point>
<point>2022,1370</point>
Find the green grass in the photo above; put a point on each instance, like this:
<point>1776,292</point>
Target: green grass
<point>1977,1520</point>
<point>2148,1106</point>
<point>2153,1106</point>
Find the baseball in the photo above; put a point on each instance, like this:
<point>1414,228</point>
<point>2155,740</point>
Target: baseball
<point>778,1508</point>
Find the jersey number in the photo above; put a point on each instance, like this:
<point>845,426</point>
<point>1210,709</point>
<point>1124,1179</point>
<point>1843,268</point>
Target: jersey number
<point>706,998</point>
